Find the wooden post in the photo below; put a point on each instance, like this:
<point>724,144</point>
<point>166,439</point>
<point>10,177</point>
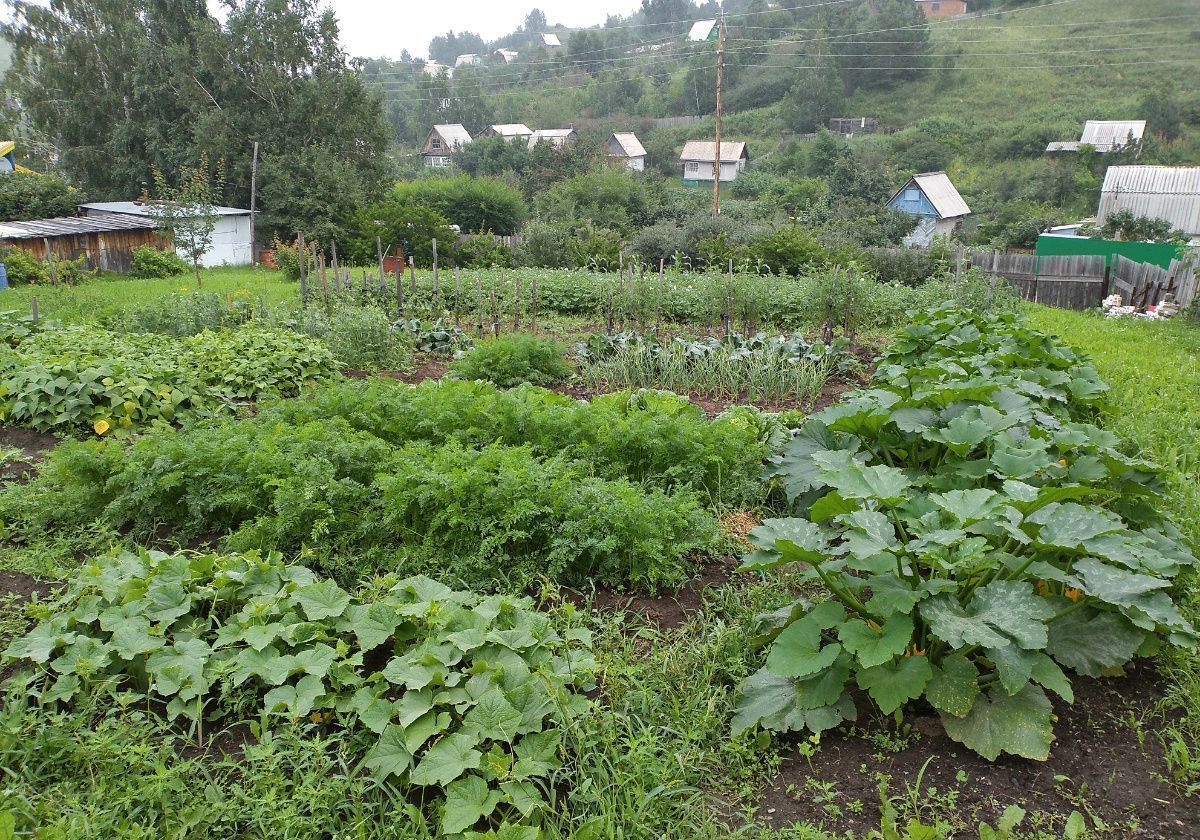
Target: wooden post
<point>434,304</point>
<point>33,309</point>
<point>412,276</point>
<point>457,291</point>
<point>533,304</point>
<point>50,261</point>
<point>658,308</point>
<point>609,320</point>
<point>337,274</point>
<point>495,315</point>
<point>253,200</point>
<point>717,153</point>
<point>302,259</point>
<point>517,303</point>
<point>632,310</point>
<point>479,301</point>
<point>364,287</point>
<point>324,279</point>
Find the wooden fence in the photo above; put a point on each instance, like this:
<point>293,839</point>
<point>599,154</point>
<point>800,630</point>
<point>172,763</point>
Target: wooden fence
<point>1083,282</point>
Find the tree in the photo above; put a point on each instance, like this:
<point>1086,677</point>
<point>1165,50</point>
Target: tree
<point>26,195</point>
<point>446,48</point>
<point>187,209</point>
<point>124,87</point>
<point>812,100</point>
<point>898,53</point>
<point>1163,112</point>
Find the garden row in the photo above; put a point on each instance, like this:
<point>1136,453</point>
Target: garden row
<point>67,378</point>
<point>977,539</point>
<point>490,488</point>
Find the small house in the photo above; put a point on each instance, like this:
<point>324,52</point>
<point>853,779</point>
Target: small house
<point>468,60</point>
<point>1104,136</point>
<point>105,242</point>
<point>504,56</point>
<point>441,144</point>
<point>550,41</point>
<point>557,137</point>
<point>624,148</point>
<point>942,8</point>
<point>698,156</point>
<point>230,237</point>
<point>704,30</point>
<point>512,132</point>
<point>1171,193</point>
<point>934,200</point>
<point>432,68</point>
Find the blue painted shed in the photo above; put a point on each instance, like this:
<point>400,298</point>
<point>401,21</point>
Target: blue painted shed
<point>933,198</point>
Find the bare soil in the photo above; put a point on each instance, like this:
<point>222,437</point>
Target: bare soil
<point>33,446</point>
<point>16,590</point>
<point>667,610</point>
<point>1100,762</point>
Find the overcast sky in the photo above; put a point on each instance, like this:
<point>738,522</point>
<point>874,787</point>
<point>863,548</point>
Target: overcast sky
<point>374,28</point>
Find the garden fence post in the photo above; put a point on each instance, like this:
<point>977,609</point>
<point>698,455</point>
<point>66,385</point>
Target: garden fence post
<point>479,301</point>
<point>412,276</point>
<point>379,259</point>
<point>516,303</point>
<point>50,262</point>
<point>434,302</point>
<point>658,308</point>
<point>302,260</point>
<point>400,292</point>
<point>33,306</point>
<point>609,320</point>
<point>337,273</point>
<point>495,315</point>
<point>533,305</point>
<point>457,291</point>
<point>324,279</point>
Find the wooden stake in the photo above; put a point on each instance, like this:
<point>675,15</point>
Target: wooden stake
<point>337,274</point>
<point>379,258</point>
<point>50,261</point>
<point>517,303</point>
<point>253,202</point>
<point>302,259</point>
<point>457,291</point>
<point>412,276</point>
<point>434,305</point>
<point>324,279</point>
<point>533,304</point>
<point>33,307</point>
<point>479,301</point>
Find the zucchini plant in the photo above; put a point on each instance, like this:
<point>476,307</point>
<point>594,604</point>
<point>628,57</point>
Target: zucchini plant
<point>977,540</point>
<point>457,698</point>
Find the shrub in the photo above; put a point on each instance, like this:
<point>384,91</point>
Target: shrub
<point>179,314</point>
<point>29,195</point>
<point>611,199</point>
<point>510,360</point>
<point>974,537</point>
<point>787,250</point>
<point>474,204</point>
<point>482,250</point>
<point>157,263</point>
<point>544,244</point>
<point>361,337</point>
<point>219,635</point>
<point>24,267</point>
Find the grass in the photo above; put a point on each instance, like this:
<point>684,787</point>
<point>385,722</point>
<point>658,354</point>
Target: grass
<point>1153,369</point>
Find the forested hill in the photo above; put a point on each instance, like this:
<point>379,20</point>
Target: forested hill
<point>1018,73</point>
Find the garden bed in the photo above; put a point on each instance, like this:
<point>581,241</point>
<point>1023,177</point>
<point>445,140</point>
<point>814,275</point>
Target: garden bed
<point>1106,760</point>
<point>33,445</point>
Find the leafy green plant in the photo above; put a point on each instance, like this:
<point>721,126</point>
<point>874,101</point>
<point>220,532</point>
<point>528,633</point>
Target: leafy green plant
<point>24,267</point>
<point>464,711</point>
<point>360,337</point>
<point>514,359</point>
<point>757,367</point>
<point>434,338</point>
<point>76,377</point>
<point>975,541</point>
<point>155,263</point>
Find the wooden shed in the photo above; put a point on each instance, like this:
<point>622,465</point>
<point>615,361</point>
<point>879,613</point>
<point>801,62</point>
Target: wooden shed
<point>106,242</point>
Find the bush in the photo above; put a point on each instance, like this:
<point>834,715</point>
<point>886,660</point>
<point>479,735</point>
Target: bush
<point>474,204</point>
<point>482,250</point>
<point>596,249</point>
<point>514,359</point>
<point>179,314</point>
<point>361,337</point>
<point>545,244</point>
<point>28,195</point>
<point>157,263</point>
<point>23,267</point>
<point>611,198</point>
<point>787,250</point>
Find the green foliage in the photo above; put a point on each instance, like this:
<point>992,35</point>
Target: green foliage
<point>73,378</point>
<point>612,198</point>
<point>361,337</point>
<point>476,205</point>
<point>514,359</point>
<point>1128,226</point>
<point>156,263</point>
<point>735,367</point>
<point>467,712</point>
<point>396,222</point>
<point>28,195</point>
<point>482,250</point>
<point>181,314</point>
<point>545,244</point>
<point>186,209</point>
<point>788,250</point>
<point>976,540</point>
<point>24,267</point>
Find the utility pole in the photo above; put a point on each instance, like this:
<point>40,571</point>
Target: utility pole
<point>717,154</point>
<point>253,199</point>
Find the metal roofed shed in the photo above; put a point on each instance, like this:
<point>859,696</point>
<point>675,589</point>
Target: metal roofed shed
<point>509,131</point>
<point>549,39</point>
<point>230,238</point>
<point>556,137</point>
<point>106,242</point>
<point>442,142</point>
<point>624,146</point>
<point>1104,136</point>
<point>1171,193</point>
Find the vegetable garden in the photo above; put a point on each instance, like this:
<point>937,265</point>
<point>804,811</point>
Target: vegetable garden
<point>251,595</point>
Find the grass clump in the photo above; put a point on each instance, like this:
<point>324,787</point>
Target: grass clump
<point>515,359</point>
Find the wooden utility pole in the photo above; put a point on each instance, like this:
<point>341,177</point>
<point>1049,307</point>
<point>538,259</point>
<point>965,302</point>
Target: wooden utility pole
<point>253,200</point>
<point>717,153</point>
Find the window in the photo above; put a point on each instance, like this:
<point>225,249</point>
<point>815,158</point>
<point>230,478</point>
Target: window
<point>912,195</point>
<point>937,6</point>
<point>437,144</point>
<point>693,166</point>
